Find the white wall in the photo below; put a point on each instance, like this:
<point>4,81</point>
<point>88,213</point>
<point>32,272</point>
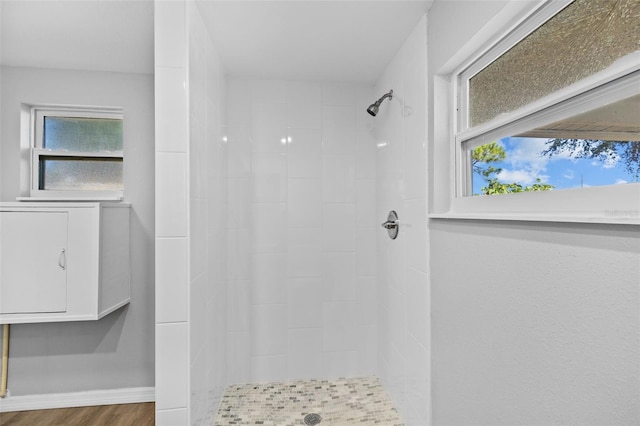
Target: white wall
<point>540,326</point>
<point>403,312</point>
<point>207,221</point>
<point>116,351</point>
<point>172,213</point>
<point>191,196</point>
<point>301,297</point>
<point>532,323</point>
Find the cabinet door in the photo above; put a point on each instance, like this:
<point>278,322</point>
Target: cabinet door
<point>33,262</point>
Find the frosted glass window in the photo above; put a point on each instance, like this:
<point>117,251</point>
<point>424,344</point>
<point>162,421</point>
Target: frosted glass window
<point>80,174</point>
<point>586,37</point>
<point>77,150</point>
<point>82,134</point>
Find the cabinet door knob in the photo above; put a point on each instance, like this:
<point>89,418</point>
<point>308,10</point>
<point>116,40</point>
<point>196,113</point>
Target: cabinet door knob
<point>62,260</point>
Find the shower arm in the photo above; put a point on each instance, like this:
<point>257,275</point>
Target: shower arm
<point>385,96</point>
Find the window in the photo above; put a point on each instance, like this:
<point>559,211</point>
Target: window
<point>550,111</point>
<point>76,153</point>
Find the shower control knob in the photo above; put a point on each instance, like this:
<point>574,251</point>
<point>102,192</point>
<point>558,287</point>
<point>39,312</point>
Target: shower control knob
<point>392,224</point>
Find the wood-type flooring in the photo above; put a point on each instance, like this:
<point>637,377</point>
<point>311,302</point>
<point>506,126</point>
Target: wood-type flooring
<point>103,415</point>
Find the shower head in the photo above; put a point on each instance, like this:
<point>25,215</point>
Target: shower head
<point>374,107</point>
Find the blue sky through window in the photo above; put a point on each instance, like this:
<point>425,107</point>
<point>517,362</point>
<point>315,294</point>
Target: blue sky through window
<point>524,164</point>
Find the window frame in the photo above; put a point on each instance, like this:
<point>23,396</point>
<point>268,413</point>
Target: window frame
<point>37,151</point>
<point>603,204</point>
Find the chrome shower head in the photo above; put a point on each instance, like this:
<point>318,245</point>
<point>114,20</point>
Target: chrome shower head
<point>374,107</point>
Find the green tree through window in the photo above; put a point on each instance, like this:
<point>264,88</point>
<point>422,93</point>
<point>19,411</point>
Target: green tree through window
<point>483,158</point>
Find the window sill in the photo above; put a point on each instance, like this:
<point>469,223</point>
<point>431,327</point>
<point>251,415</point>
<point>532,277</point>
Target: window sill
<point>621,218</point>
<point>614,204</point>
<point>70,198</point>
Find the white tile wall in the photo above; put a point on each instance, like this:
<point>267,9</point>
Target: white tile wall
<point>304,208</point>
<point>269,278</point>
<point>302,313</point>
<point>171,194</point>
<point>191,201</point>
<point>172,365</point>
<point>304,226</point>
<point>304,252</point>
<point>339,178</point>
<point>305,353</point>
<point>171,286</point>
<point>403,287</point>
<point>172,417</point>
<point>296,175</point>
<point>172,352</point>
<point>171,104</point>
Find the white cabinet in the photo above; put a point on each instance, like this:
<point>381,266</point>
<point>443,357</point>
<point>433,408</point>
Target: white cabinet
<point>63,261</point>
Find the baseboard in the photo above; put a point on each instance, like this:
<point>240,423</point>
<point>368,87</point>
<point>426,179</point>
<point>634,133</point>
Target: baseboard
<point>77,399</point>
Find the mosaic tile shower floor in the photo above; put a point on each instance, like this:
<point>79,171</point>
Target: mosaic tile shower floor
<point>356,401</point>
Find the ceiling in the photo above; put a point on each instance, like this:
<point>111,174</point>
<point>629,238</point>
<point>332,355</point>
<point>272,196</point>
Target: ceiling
<point>320,40</point>
<point>104,35</point>
<point>303,39</point>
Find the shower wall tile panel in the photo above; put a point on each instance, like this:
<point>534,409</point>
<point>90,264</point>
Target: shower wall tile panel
<point>171,283</point>
<point>269,227</point>
<point>172,417</point>
<point>239,151</point>
<point>338,129</point>
<point>402,268</point>
<point>269,91</point>
<point>366,203</point>
<point>304,153</point>
<point>341,218</point>
<point>171,190</point>
<point>303,93</point>
<point>268,368</point>
<point>301,228</point>
<point>339,94</point>
<point>239,104</point>
<point>270,278</point>
<point>339,178</point>
<point>171,194</point>
<point>305,353</point>
<point>304,207</point>
<point>269,177</point>
<point>339,276</point>
<point>304,252</point>
<point>172,360</point>
<point>302,312</point>
<point>239,305</point>
<point>239,357</point>
<point>268,322</point>
<point>171,122</point>
<point>208,183</point>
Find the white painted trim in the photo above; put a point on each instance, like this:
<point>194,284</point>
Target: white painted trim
<point>615,204</point>
<point>77,399</point>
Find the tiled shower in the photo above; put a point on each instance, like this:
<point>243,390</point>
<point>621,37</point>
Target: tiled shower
<point>271,264</point>
<point>301,260</point>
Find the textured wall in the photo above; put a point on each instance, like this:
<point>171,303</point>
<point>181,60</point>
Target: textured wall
<point>535,323</point>
<point>116,351</point>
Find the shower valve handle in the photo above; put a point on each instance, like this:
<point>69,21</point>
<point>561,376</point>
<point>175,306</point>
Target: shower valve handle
<point>390,224</point>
